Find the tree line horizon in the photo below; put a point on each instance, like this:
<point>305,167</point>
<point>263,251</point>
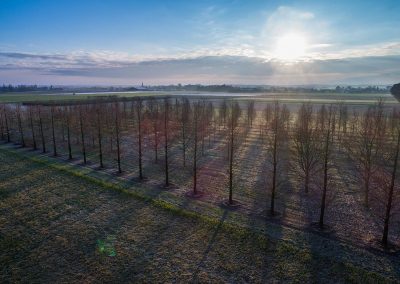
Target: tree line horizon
<point>227,88</point>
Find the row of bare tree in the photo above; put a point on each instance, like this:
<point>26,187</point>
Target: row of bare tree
<point>309,142</point>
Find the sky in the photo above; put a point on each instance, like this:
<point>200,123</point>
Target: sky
<point>199,42</point>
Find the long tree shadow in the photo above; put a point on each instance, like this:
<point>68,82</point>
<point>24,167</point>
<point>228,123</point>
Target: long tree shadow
<point>201,264</point>
<point>155,242</point>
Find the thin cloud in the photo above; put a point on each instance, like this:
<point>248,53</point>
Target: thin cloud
<point>19,55</point>
<point>218,69</point>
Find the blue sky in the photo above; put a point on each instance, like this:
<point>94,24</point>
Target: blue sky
<point>162,42</point>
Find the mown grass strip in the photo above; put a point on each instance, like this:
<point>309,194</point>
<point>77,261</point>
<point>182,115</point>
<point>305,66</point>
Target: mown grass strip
<point>139,196</point>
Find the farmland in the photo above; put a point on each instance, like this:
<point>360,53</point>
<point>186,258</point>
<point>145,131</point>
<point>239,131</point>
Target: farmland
<point>75,230</point>
<point>202,175</point>
<point>46,97</point>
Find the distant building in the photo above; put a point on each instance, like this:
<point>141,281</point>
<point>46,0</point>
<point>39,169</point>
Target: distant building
<point>142,87</point>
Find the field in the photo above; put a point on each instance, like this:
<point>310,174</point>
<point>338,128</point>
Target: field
<point>59,226</point>
<point>290,98</point>
<point>46,97</point>
<point>134,225</point>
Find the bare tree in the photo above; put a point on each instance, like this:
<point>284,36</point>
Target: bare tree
<point>32,128</point>
<point>67,116</point>
<point>365,147</point>
<point>154,115</point>
<point>209,120</point>
<point>394,149</point>
<point>342,122</point>
<point>117,135</point>
<point>42,130</point>
<point>305,144</point>
<point>166,120</point>
<point>185,112</point>
<point>196,110</point>
<point>274,155</point>
<point>2,122</point>
<point>251,112</point>
<point>234,114</point>
<point>6,120</point>
<point>82,134</point>
<point>278,127</point>
<point>203,124</point>
<point>21,130</point>
<point>327,126</point>
<point>60,113</point>
<point>223,109</point>
<point>99,135</point>
<point>139,111</point>
<point>53,132</point>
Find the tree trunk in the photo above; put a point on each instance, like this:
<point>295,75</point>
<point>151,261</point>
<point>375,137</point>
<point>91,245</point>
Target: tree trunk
<point>53,133</point>
<point>2,127</point>
<point>272,209</point>
<point>307,181</point>
<point>99,136</point>
<point>21,131</point>
<point>32,129</point>
<point>117,137</point>
<point>82,136</point>
<point>366,190</point>
<point>155,126</point>
<point>195,154</point>
<point>231,162</point>
<point>139,113</point>
<point>68,136</point>
<point>183,143</point>
<point>166,143</point>
<point>7,128</point>
<point>156,143</point>
<point>390,197</point>
<point>63,131</point>
<point>42,133</point>
<point>325,185</point>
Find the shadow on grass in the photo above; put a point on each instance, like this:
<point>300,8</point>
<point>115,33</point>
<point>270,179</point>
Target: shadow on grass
<point>210,245</point>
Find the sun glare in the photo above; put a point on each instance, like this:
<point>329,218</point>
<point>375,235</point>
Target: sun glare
<point>291,47</point>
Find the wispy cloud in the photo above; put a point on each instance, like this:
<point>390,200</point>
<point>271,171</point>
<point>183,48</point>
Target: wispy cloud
<point>381,49</point>
<point>108,59</point>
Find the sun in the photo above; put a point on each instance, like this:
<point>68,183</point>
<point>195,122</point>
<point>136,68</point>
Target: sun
<point>290,47</point>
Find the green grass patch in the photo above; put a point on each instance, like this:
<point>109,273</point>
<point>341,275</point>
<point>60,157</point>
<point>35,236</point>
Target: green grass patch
<point>40,97</point>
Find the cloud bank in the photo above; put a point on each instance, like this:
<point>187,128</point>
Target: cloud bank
<point>110,68</point>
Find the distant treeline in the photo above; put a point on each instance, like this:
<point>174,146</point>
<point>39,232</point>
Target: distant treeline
<point>272,89</point>
<point>395,90</point>
<point>36,88</point>
<point>27,88</point>
<point>210,88</point>
<point>200,88</point>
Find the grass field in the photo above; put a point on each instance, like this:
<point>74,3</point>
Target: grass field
<point>59,226</point>
<point>289,98</point>
<point>42,97</point>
